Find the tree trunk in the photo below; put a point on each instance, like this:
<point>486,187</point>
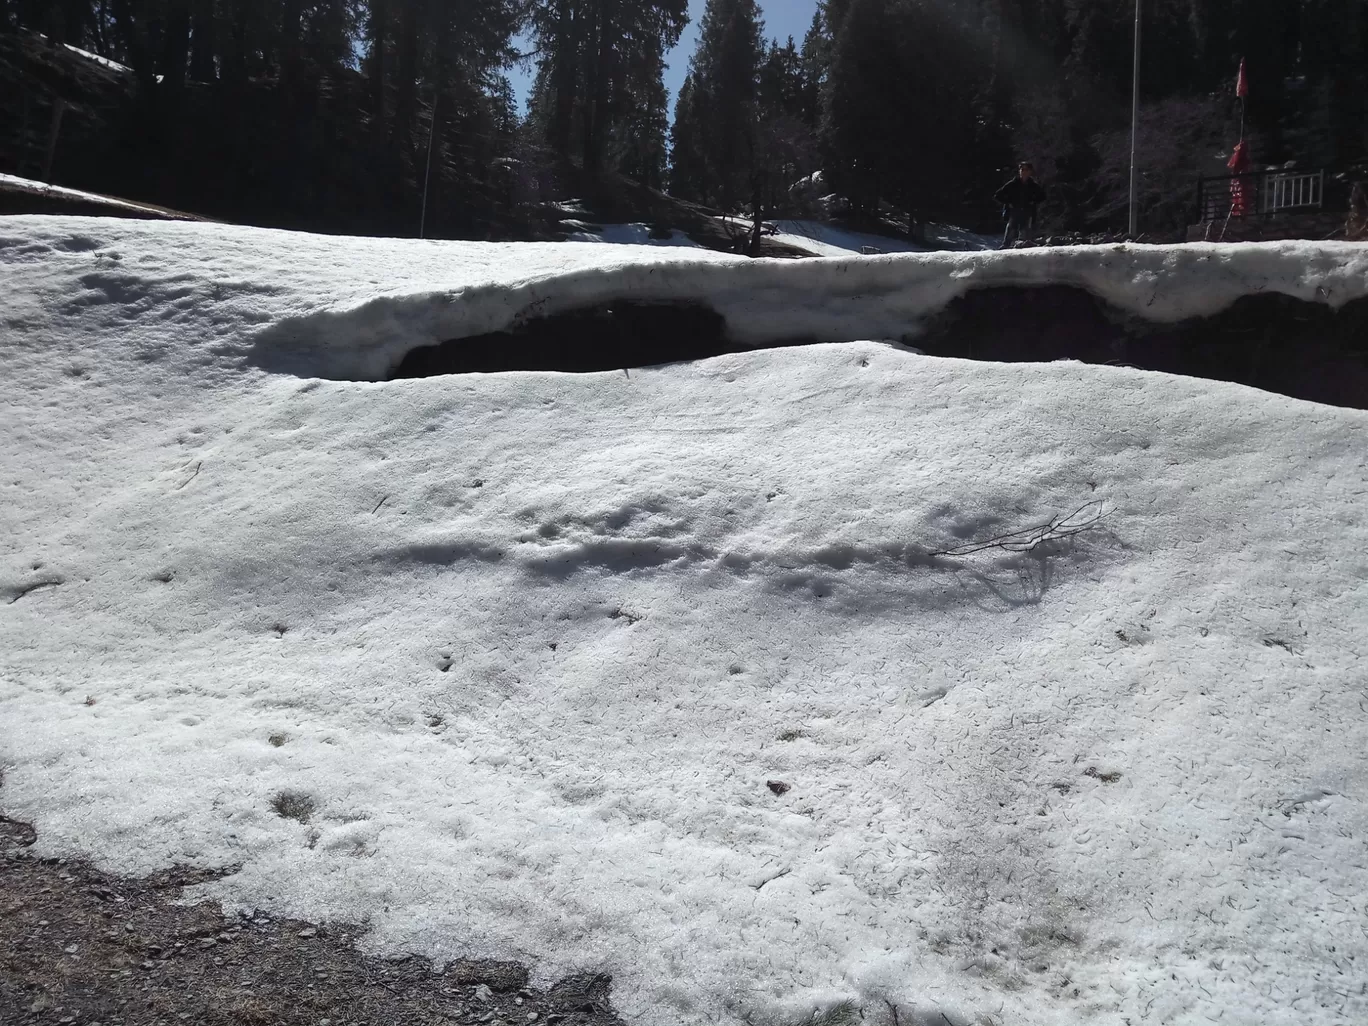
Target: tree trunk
<point>564,77</point>
<point>289,54</point>
<point>234,69</point>
<point>406,87</point>
<point>591,88</point>
<point>202,41</point>
<point>603,80</point>
<point>379,14</point>
<point>97,27</point>
<point>131,19</point>
<point>55,25</point>
<point>758,219</point>
<point>54,131</point>
<point>175,45</point>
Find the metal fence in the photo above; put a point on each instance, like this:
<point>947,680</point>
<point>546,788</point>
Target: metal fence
<point>1259,192</point>
<point>1293,190</point>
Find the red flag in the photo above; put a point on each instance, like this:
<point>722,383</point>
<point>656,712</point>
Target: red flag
<point>1241,83</point>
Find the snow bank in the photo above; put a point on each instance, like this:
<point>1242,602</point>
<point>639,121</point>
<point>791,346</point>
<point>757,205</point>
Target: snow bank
<point>446,291</point>
<point>353,313</point>
<point>653,673</point>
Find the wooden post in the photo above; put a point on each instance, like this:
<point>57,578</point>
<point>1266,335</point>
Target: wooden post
<point>58,109</point>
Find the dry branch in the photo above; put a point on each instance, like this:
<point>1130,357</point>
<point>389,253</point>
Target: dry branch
<point>1027,540</point>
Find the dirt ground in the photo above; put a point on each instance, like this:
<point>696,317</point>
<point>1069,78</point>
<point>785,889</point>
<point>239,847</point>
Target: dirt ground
<point>78,946</point>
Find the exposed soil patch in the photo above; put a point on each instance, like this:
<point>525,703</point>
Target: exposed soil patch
<point>80,947</point>
<point>1306,350</point>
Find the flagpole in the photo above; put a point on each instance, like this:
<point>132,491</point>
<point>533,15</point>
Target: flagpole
<point>1135,122</point>
<point>1241,89</point>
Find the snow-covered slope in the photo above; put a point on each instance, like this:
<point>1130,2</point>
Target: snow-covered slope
<point>949,236</point>
<point>822,239</point>
<point>534,646</point>
<point>96,58</point>
<point>27,185</point>
<point>624,235</point>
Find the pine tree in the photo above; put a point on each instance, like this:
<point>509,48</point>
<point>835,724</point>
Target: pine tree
<point>724,69</point>
<point>900,118</point>
<point>602,68</point>
<point>816,59</point>
<point>688,171</point>
<point>638,146</point>
<point>786,148</point>
<point>862,80</point>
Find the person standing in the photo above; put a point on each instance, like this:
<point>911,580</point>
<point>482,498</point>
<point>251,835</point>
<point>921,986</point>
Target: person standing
<point>1019,198</point>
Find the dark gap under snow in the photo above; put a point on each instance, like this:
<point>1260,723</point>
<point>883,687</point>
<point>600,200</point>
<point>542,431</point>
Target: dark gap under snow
<point>609,336</point>
<point>1278,343</point>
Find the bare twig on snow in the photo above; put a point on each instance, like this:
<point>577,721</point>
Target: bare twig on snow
<point>1085,518</point>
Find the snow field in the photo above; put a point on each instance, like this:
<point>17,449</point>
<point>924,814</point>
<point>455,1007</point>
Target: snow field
<point>532,646</point>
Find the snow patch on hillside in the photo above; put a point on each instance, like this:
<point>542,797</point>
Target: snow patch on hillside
<point>44,189</point>
<point>104,61</point>
<point>624,235</point>
<point>96,58</point>
<point>822,239</point>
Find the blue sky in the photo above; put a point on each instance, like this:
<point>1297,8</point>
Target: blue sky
<point>783,18</point>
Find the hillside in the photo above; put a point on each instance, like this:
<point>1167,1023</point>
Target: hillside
<point>311,163</point>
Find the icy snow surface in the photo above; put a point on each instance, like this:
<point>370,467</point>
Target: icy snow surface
<point>535,644</point>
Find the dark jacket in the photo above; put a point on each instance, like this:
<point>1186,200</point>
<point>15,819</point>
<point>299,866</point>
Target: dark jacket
<point>1021,194</point>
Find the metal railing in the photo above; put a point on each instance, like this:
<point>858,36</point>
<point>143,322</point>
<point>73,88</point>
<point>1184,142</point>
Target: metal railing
<point>1293,190</point>
<point>1259,192</point>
